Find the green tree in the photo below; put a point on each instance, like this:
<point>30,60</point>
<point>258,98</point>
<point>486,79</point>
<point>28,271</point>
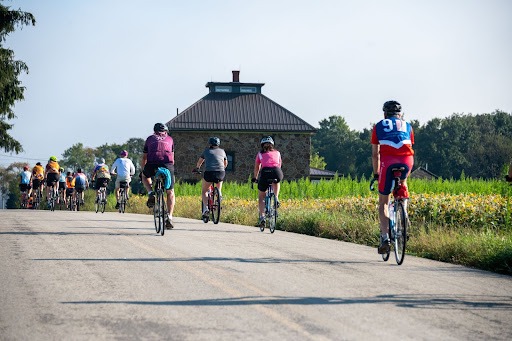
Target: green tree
<point>78,157</point>
<point>11,89</point>
<point>344,150</point>
<point>317,161</point>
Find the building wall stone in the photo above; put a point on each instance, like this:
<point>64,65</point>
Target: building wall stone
<point>294,148</point>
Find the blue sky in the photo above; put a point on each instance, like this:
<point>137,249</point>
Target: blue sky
<point>103,71</point>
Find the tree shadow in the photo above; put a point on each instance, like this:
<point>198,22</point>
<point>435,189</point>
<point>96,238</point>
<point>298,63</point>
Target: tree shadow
<point>423,301</point>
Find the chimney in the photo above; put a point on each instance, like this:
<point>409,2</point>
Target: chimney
<point>236,76</point>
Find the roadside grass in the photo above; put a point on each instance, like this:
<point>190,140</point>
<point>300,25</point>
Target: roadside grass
<point>447,223</point>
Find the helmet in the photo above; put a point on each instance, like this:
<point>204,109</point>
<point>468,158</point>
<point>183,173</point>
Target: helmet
<point>123,153</point>
<point>38,164</point>
<point>267,139</point>
<point>159,127</point>
<point>53,158</point>
<point>214,141</point>
<point>61,170</point>
<point>25,168</point>
<point>101,160</point>
<point>392,106</point>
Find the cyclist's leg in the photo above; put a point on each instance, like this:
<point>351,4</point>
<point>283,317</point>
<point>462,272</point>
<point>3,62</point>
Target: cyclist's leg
<point>204,197</point>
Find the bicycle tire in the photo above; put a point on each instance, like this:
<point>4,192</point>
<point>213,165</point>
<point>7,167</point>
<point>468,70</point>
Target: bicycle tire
<point>97,204</point>
<point>163,214</point>
<point>272,213</point>
<point>216,206</point>
<point>122,200</point>
<point>400,233</point>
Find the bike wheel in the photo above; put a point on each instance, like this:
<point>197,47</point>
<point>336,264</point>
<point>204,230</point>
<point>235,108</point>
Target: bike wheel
<point>272,213</point>
<point>163,214</point>
<point>103,202</point>
<point>400,233</point>
<point>215,212</point>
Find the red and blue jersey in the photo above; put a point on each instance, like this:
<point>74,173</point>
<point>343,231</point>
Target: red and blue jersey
<point>395,137</point>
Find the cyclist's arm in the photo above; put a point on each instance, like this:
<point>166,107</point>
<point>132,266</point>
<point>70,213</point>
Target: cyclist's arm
<point>256,169</point>
<point>200,162</point>
<point>144,160</point>
<point>375,158</point>
<point>132,169</point>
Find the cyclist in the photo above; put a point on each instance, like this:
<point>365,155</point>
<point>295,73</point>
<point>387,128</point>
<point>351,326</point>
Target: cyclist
<point>159,152</point>
<point>101,174</point>
<point>38,179</point>
<point>268,166</point>
<point>80,183</point>
<point>25,177</point>
<point>215,161</point>
<point>125,171</point>
<point>52,176</point>
<point>70,185</point>
<point>62,184</point>
<point>392,140</point>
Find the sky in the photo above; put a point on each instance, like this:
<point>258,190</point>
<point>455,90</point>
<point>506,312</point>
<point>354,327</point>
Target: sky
<point>104,71</point>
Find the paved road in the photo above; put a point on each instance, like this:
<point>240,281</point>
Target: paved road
<point>82,275</point>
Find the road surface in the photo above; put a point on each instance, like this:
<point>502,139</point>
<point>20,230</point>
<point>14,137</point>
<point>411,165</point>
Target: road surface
<point>84,275</point>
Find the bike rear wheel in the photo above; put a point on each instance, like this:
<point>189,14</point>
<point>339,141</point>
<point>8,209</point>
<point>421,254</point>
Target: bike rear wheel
<point>215,209</point>
<point>163,215</point>
<point>122,200</point>
<point>400,233</point>
<point>103,201</point>
<point>272,213</point>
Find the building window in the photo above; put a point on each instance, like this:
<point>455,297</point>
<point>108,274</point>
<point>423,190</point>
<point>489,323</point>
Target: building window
<point>222,88</point>
<point>231,163</point>
<point>247,89</point>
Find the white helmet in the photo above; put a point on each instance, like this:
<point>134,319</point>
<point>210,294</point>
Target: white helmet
<point>267,139</point>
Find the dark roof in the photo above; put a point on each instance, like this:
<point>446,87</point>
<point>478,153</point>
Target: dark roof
<point>240,112</point>
<point>321,172</point>
<point>422,173</point>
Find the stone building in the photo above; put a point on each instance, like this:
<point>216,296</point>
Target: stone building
<point>240,115</point>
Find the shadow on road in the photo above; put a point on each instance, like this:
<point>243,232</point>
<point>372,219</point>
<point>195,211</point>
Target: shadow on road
<point>433,301</point>
<point>206,259</point>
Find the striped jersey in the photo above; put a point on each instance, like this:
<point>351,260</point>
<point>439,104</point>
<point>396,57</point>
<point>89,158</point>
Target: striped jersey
<point>395,137</point>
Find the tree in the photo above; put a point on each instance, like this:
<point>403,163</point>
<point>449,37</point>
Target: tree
<point>11,89</point>
<point>78,157</point>
<point>317,161</point>
<point>343,149</point>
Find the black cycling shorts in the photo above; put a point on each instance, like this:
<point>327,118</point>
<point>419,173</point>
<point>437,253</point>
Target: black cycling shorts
<point>52,178</point>
<point>269,173</point>
<point>214,176</point>
<point>101,182</point>
<point>150,170</point>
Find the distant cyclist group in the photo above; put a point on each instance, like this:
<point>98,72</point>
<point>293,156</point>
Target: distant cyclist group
<point>66,185</point>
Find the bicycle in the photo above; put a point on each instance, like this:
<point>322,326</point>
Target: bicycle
<point>123,196</point>
<point>24,199</point>
<point>270,207</point>
<point>214,203</point>
<point>62,196</point>
<point>52,200</point>
<point>78,200</point>
<point>71,201</point>
<point>160,208</point>
<point>398,218</point>
<point>37,198</point>
<point>101,200</point>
